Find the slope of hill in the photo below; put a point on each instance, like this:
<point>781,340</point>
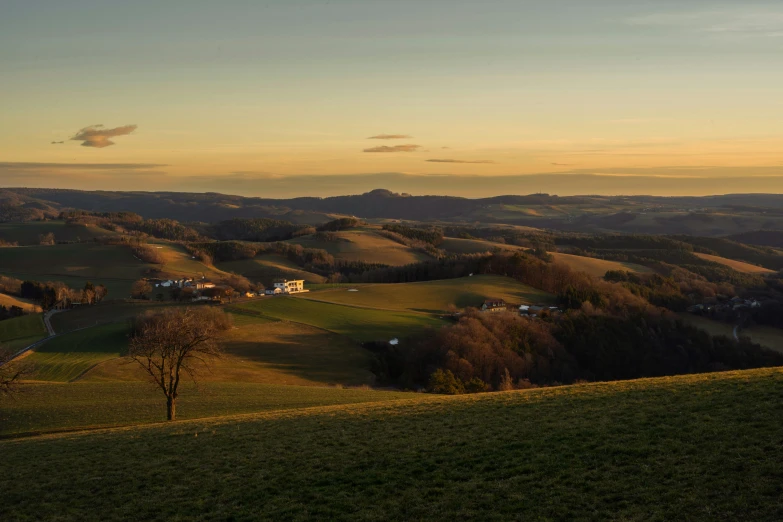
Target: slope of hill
<point>433,296</point>
<point>696,447</point>
<point>268,268</point>
<point>28,306</point>
<point>739,266</point>
<point>364,245</point>
<point>28,233</point>
<point>472,246</point>
<point>20,332</point>
<point>597,267</point>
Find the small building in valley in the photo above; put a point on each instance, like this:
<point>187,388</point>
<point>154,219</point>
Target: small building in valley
<point>494,305</point>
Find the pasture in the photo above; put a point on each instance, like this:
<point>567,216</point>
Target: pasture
<point>25,304</point>
<point>766,336</point>
<point>19,332</point>
<point>473,246</point>
<point>739,266</point>
<point>364,245</point>
<point>360,324</point>
<point>694,447</point>
<point>28,233</point>
<point>67,357</point>
<point>597,267</point>
<point>433,296</point>
<point>269,268</point>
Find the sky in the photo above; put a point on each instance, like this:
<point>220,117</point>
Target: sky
<point>325,97</point>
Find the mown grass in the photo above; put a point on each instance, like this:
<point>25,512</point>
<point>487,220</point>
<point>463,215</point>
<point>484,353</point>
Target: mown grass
<point>704,447</point>
<point>69,356</point>
<point>20,332</point>
<point>360,324</point>
<point>50,407</point>
<point>434,296</point>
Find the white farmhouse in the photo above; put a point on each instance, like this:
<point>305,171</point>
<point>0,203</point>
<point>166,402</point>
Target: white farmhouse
<point>290,287</point>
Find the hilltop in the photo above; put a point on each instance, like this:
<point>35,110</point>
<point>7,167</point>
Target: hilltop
<point>697,447</point>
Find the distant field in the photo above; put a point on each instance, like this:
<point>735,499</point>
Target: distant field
<point>69,356</point>
<point>434,296</point>
<point>27,233</point>
<point>694,447</point>
<point>56,407</point>
<point>25,304</point>
<point>19,332</point>
<point>361,324</point>
<point>766,336</point>
<point>267,268</point>
<point>270,352</point>
<point>364,245</point>
<point>739,266</point>
<point>473,246</point>
<point>102,313</point>
<point>597,267</point>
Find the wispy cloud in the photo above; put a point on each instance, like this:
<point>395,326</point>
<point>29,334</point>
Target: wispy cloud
<point>395,148</point>
<point>746,21</point>
<point>57,142</point>
<point>25,165</point>
<point>99,137</point>
<point>460,161</point>
<point>390,137</point>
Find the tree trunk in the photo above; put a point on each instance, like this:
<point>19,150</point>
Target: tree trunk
<point>171,408</point>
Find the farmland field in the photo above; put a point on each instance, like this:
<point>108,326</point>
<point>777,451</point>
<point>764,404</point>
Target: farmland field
<point>472,246</point>
<point>361,324</point>
<point>27,233</point>
<point>364,245</point>
<point>434,296</point>
<point>69,356</point>
<point>597,267</point>
<point>108,312</point>
<point>739,266</point>
<point>766,336</point>
<point>268,268</point>
<point>20,332</point>
<point>25,304</point>
<point>694,447</point>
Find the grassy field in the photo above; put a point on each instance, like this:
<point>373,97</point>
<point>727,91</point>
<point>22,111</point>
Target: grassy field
<point>27,233</point>
<point>739,266</point>
<point>364,245</point>
<point>107,312</point>
<point>597,267</point>
<point>268,268</point>
<point>67,357</point>
<point>360,324</point>
<point>269,352</point>
<point>472,246</point>
<point>28,306</point>
<point>766,336</point>
<point>51,407</point>
<point>434,296</point>
<point>697,447</point>
<point>20,332</point>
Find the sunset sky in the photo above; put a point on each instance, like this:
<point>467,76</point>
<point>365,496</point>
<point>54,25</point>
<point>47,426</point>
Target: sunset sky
<point>281,98</point>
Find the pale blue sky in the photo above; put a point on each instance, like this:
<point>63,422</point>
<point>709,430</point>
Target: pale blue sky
<point>295,87</point>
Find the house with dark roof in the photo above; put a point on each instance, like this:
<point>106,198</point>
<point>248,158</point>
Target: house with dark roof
<point>494,305</point>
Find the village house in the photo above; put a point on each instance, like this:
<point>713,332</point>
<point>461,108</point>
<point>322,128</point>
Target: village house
<point>494,305</point>
<point>290,287</point>
<point>273,291</point>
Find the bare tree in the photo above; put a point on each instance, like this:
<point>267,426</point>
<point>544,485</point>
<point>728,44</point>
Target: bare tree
<point>141,289</point>
<point>176,340</point>
<point>11,372</point>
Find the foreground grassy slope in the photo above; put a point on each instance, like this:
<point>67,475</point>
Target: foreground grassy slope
<point>434,296</point>
<point>359,324</point>
<point>22,331</point>
<point>701,447</point>
<point>49,407</point>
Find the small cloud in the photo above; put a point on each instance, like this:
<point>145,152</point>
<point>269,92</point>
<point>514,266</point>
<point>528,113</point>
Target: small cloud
<point>57,142</point>
<point>390,137</point>
<point>445,147</point>
<point>460,161</point>
<point>26,165</point>
<point>563,164</point>
<point>98,136</point>
<point>395,148</point>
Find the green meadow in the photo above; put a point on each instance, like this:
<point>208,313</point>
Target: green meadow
<point>696,447</point>
<point>20,332</point>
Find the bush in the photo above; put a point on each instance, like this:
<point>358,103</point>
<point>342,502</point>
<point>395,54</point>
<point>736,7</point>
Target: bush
<point>445,383</point>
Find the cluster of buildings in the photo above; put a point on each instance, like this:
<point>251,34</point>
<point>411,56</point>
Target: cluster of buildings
<point>185,282</point>
<point>499,305</point>
<point>735,304</point>
<point>295,286</point>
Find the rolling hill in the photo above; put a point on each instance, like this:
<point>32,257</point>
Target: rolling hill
<point>695,447</point>
<point>28,233</point>
<point>19,332</point>
<point>268,268</point>
<point>597,267</point>
<point>433,296</point>
<point>364,245</point>
<point>739,266</point>
<point>28,306</point>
